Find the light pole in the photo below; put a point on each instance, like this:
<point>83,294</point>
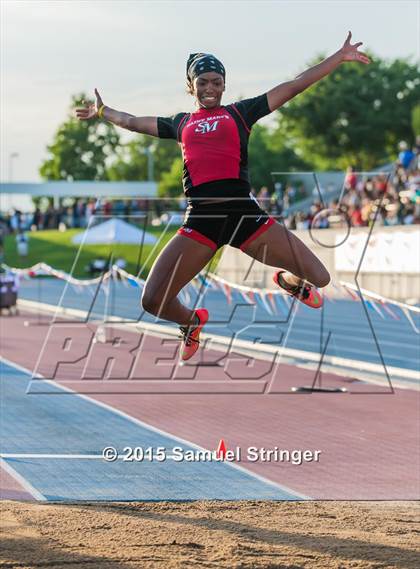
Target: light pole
<point>149,150</point>
<point>12,155</point>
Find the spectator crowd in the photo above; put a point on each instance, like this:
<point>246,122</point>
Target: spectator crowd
<point>75,216</point>
<point>396,195</point>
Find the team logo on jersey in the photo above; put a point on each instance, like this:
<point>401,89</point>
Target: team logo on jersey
<point>204,127</point>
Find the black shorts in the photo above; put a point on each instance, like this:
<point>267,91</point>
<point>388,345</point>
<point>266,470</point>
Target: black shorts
<point>235,222</point>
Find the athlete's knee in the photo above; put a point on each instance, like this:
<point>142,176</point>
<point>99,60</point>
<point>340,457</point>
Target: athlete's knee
<point>150,303</point>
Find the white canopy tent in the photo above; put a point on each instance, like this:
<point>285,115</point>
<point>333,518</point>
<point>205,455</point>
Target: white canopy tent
<point>114,231</point>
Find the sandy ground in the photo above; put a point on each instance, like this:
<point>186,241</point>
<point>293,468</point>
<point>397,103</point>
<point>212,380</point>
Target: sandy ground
<point>211,534</point>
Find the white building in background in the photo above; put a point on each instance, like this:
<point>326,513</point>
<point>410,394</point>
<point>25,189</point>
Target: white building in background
<point>18,195</point>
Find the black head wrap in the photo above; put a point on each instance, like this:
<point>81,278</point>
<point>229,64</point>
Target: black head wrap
<point>199,63</point>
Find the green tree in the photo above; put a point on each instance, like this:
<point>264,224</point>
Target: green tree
<point>170,184</point>
<point>355,116</point>
<point>415,120</point>
<point>268,153</point>
<point>80,148</point>
<point>165,153</point>
<point>130,163</point>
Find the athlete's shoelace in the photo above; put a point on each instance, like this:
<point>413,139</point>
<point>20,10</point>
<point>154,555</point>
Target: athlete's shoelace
<point>186,335</point>
<point>301,293</point>
<point>306,292</point>
<point>298,291</point>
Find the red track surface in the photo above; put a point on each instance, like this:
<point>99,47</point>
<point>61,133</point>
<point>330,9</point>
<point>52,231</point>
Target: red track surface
<point>369,442</point>
<point>11,489</point>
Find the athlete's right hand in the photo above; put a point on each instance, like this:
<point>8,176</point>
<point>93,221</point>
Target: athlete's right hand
<point>90,110</point>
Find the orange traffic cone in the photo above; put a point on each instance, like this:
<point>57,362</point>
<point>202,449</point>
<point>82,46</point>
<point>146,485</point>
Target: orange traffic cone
<point>221,449</point>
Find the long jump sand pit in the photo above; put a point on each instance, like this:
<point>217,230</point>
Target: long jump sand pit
<point>211,534</point>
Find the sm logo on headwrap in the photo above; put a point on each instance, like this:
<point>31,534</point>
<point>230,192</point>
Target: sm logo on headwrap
<point>205,126</point>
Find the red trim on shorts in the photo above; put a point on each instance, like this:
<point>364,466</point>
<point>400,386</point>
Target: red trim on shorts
<point>197,236</point>
<point>258,232</point>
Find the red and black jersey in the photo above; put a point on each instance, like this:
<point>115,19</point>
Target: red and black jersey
<point>214,146</point>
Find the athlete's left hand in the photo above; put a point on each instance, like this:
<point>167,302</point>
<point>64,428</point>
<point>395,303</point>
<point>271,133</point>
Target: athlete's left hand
<point>349,52</point>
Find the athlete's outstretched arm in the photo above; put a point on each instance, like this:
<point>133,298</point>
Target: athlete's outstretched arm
<point>286,91</point>
<point>145,125</point>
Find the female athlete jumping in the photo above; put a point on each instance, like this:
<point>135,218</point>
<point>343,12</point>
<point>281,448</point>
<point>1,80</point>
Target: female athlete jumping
<point>221,210</point>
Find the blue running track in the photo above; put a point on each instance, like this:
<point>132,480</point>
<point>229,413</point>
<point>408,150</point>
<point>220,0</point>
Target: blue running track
<point>79,428</point>
<point>351,336</point>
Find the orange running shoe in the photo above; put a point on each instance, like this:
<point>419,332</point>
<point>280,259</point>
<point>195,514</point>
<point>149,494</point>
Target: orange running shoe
<point>191,334</point>
<point>308,294</point>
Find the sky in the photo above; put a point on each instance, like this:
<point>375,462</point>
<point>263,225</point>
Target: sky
<point>135,53</point>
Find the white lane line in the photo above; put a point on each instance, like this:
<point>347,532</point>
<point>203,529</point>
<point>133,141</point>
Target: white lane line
<point>22,481</point>
<point>79,456</point>
<point>343,365</point>
<point>153,458</point>
<point>161,432</point>
<point>35,455</point>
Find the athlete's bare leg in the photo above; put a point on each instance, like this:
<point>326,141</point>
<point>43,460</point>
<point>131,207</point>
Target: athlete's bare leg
<point>279,248</point>
<point>177,264</point>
